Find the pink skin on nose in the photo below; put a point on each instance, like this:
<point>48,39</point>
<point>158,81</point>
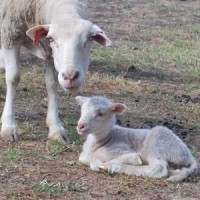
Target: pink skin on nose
<point>70,76</point>
<point>70,80</point>
<point>99,32</point>
<point>80,128</point>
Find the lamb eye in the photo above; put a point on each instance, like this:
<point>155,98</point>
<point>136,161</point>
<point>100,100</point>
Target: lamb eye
<point>100,114</point>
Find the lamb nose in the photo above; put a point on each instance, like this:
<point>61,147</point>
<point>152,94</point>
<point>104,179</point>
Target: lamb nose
<point>81,126</point>
<point>71,76</point>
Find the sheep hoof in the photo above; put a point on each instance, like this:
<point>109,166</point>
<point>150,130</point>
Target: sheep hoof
<point>59,137</point>
<point>2,71</point>
<point>9,135</point>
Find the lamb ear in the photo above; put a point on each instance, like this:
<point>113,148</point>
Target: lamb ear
<point>118,108</point>
<point>99,36</point>
<point>37,33</point>
<point>81,99</point>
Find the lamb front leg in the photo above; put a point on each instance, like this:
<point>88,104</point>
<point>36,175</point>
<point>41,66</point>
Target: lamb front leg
<point>114,165</point>
<point>129,158</point>
<point>56,130</point>
<point>96,165</point>
<point>12,75</point>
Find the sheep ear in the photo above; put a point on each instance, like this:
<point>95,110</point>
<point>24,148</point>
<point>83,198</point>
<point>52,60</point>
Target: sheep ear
<point>81,99</point>
<point>99,36</point>
<point>37,33</point>
<point>118,108</point>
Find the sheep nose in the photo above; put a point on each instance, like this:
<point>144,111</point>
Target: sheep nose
<point>71,76</point>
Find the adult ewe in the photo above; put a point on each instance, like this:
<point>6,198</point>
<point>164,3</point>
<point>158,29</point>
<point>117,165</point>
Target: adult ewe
<point>61,36</point>
<point>157,152</point>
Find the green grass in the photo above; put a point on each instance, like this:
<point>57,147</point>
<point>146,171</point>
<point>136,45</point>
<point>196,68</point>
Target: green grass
<point>34,75</point>
<point>28,128</point>
<point>174,186</point>
<point>56,148</point>
<point>171,51</point>
<point>71,127</point>
<point>54,188</point>
<point>48,187</point>
<point>12,155</point>
<point>2,79</point>
<point>76,187</point>
<point>35,154</point>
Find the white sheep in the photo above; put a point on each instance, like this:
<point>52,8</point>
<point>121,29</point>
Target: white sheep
<point>60,34</point>
<point>153,153</point>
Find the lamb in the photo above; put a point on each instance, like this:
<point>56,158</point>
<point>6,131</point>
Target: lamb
<point>60,34</point>
<point>152,153</point>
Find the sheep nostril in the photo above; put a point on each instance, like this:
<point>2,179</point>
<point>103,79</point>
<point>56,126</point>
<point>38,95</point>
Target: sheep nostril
<point>70,76</point>
<point>76,75</point>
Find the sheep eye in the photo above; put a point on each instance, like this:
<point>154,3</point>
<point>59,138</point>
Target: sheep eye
<point>85,44</point>
<point>50,39</point>
<point>88,40</point>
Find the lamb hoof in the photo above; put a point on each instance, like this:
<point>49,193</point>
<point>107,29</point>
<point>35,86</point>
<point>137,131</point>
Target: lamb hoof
<point>115,168</point>
<point>111,168</point>
<point>103,169</point>
<point>9,135</point>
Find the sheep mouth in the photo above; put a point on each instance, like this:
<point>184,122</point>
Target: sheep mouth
<point>71,90</point>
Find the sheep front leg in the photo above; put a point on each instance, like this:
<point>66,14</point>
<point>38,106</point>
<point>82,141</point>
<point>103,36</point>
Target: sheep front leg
<point>12,75</point>
<point>2,64</point>
<point>56,130</point>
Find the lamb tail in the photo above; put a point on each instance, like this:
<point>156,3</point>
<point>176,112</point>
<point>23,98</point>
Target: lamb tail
<point>184,172</point>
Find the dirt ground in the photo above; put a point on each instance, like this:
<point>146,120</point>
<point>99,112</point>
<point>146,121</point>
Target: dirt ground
<point>156,91</point>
